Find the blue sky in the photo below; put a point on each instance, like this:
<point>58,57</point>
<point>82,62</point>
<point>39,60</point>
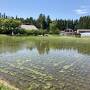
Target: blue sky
<point>66,9</point>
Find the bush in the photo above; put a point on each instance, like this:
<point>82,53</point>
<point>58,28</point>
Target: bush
<point>21,31</point>
<point>35,32</point>
<point>54,31</point>
<point>42,32</point>
<point>31,32</point>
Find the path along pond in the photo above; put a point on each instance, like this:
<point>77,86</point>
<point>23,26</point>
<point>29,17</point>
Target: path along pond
<point>45,64</point>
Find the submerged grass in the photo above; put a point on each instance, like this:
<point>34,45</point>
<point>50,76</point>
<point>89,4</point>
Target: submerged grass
<point>2,87</point>
<point>41,43</point>
<point>5,86</point>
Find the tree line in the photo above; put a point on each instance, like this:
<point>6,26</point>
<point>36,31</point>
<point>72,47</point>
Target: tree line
<point>44,23</point>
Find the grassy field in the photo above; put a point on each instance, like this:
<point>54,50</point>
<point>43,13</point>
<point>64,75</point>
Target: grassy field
<point>69,39</point>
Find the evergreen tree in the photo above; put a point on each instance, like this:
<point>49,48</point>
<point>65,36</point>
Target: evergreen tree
<point>48,21</point>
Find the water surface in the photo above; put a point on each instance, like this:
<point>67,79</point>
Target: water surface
<point>45,65</point>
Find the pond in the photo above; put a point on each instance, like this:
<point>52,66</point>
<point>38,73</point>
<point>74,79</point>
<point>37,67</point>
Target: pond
<point>45,64</point>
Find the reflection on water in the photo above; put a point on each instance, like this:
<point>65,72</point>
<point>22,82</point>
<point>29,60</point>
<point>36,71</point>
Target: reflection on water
<point>45,65</point>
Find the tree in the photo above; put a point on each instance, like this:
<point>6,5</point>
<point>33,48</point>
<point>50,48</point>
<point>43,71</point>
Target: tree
<point>61,24</point>
<point>4,15</point>
<point>48,21</point>
<point>53,28</point>
<point>84,22</point>
<point>0,15</point>
<point>42,21</point>
<point>76,22</point>
<point>8,26</point>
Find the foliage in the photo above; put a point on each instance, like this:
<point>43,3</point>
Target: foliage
<point>84,22</point>
<point>35,32</point>
<point>7,26</point>
<point>43,23</point>
<point>53,28</point>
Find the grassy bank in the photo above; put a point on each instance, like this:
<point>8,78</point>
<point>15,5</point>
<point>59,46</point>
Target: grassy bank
<point>50,38</point>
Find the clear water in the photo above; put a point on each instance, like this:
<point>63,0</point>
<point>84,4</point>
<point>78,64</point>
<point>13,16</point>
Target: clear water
<point>45,65</point>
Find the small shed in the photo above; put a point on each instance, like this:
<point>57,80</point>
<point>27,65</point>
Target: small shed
<point>68,32</point>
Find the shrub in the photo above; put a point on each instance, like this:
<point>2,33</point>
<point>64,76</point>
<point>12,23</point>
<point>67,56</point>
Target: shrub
<point>31,32</point>
<point>54,31</point>
<point>35,32</point>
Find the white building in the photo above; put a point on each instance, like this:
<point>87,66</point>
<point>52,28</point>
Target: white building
<point>84,32</point>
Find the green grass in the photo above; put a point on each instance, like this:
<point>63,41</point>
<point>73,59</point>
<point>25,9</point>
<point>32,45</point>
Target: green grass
<point>49,38</point>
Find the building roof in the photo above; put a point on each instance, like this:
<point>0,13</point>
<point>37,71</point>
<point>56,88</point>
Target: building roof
<point>29,27</point>
<point>83,30</point>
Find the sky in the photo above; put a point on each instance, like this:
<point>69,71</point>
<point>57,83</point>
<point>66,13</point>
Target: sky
<point>60,9</point>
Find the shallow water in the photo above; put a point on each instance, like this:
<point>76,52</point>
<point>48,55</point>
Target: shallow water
<point>45,65</point>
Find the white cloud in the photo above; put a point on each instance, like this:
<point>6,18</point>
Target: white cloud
<point>85,6</point>
<point>81,11</point>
